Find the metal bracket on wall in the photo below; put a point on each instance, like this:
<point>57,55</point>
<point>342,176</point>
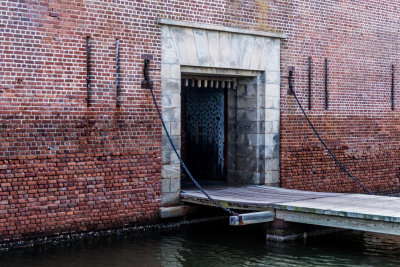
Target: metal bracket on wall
<point>309,83</point>
<point>392,91</point>
<point>117,73</point>
<point>146,58</point>
<point>326,84</point>
<point>290,80</point>
<point>88,71</point>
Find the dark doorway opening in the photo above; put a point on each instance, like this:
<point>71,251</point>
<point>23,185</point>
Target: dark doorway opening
<point>204,125</point>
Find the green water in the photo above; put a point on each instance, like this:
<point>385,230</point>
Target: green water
<point>214,245</point>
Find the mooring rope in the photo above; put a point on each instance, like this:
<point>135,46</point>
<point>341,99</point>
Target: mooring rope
<point>327,148</point>
<point>150,86</point>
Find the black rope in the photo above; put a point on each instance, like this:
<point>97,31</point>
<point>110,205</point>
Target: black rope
<point>150,85</point>
<point>322,141</point>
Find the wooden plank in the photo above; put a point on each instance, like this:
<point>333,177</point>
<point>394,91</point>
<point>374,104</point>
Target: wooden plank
<point>346,206</point>
<point>232,205</point>
<point>262,195</point>
<point>252,218</point>
<point>349,211</point>
<point>339,222</point>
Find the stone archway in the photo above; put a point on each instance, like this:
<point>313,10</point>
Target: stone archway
<point>189,48</point>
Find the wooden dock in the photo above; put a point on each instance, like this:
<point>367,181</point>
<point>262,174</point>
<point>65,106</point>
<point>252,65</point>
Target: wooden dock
<point>370,213</point>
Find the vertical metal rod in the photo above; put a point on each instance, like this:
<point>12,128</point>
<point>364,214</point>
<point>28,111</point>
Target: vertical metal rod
<point>290,80</point>
<point>117,69</point>
<point>392,91</point>
<point>326,84</point>
<point>309,83</point>
<point>88,70</point>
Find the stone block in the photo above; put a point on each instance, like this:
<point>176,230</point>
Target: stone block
<point>241,90</point>
<point>214,57</point>
<point>251,90</point>
<point>249,164</point>
<point>267,127</point>
<point>165,32</point>
<point>171,100</point>
<point>170,199</point>
<point>249,114</point>
<point>236,50</point>
<point>248,51</point>
<point>255,178</point>
<point>179,39</point>
<point>166,185</point>
<point>176,184</point>
<point>270,152</point>
<point>200,37</point>
<point>276,102</point>
<point>171,114</point>
<point>239,177</point>
<point>175,71</point>
<point>276,127</point>
<point>188,55</point>
<point>168,126</point>
<point>175,128</point>
<point>272,164</point>
<point>246,127</point>
<point>232,135</point>
<point>231,162</point>
<point>271,114</point>
<point>255,56</point>
<point>272,77</point>
<point>166,144</point>
<point>170,171</point>
<point>274,56</point>
<point>247,151</point>
<point>224,49</point>
<point>232,150</point>
<point>246,102</point>
<point>171,86</point>
<point>271,102</point>
<point>251,139</point>
<point>231,114</point>
<point>166,157</point>
<point>176,211</point>
<point>271,177</point>
<point>265,53</point>
<point>272,90</point>
<point>165,71</point>
<point>271,139</point>
<point>174,158</point>
<point>169,54</point>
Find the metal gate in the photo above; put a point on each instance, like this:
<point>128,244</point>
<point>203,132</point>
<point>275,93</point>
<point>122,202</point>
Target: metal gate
<point>204,128</point>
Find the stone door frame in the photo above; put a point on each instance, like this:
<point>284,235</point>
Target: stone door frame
<point>253,57</point>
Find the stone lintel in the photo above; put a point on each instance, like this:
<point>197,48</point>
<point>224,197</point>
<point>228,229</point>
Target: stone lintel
<point>214,71</point>
<point>219,28</point>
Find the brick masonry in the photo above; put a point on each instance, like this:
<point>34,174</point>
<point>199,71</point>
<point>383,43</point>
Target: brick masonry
<point>67,167</point>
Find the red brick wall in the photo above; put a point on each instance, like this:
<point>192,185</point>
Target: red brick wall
<point>360,41</point>
<point>64,166</point>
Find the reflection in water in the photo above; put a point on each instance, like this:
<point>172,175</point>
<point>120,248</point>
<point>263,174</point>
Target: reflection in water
<point>214,245</point>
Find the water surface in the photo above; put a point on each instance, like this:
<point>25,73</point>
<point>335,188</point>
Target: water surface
<point>214,245</point>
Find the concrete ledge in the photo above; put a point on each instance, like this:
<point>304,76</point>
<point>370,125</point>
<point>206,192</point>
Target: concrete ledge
<point>219,28</point>
<point>176,211</point>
